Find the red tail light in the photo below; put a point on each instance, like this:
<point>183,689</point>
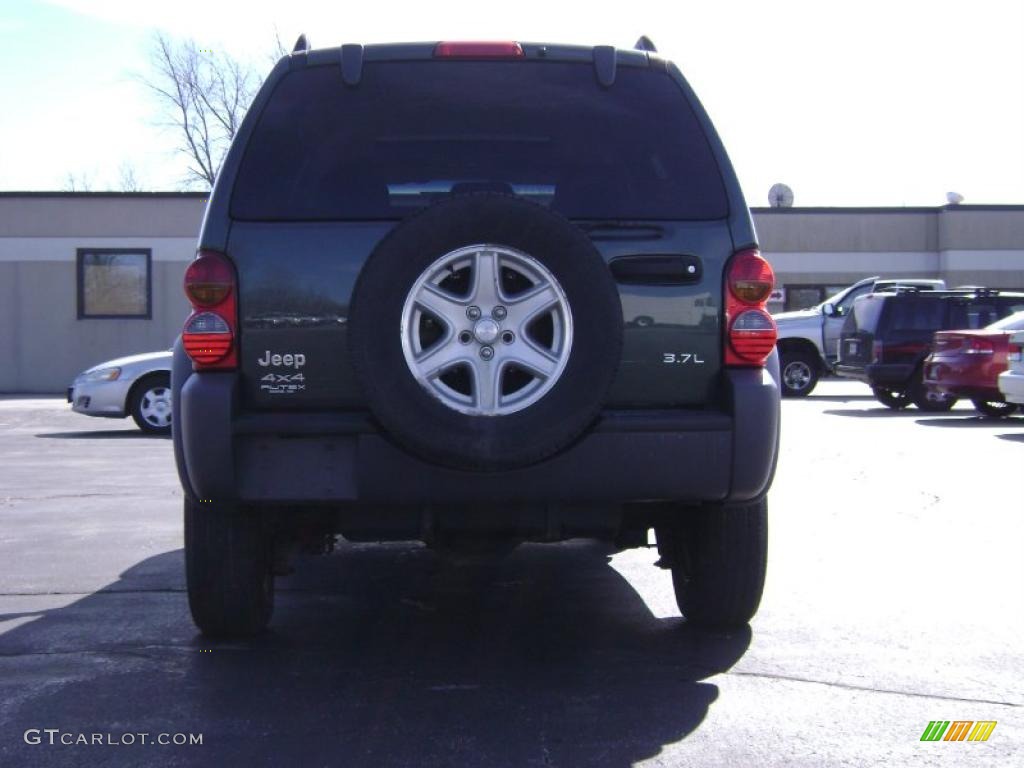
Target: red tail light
<point>1014,353</point>
<point>208,280</point>
<point>210,334</point>
<point>478,50</point>
<point>751,331</point>
<point>975,346</point>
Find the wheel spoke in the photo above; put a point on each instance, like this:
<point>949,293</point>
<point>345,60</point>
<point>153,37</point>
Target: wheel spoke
<point>441,357</point>
<point>487,385</point>
<point>522,309</point>
<point>486,279</point>
<point>441,304</point>
<point>535,360</point>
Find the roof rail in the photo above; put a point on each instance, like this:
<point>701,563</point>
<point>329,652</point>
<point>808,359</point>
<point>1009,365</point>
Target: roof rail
<point>604,64</point>
<point>351,63</point>
<point>302,44</point>
<point>646,44</point>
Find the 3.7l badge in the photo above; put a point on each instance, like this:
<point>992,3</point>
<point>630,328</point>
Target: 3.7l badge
<point>681,358</point>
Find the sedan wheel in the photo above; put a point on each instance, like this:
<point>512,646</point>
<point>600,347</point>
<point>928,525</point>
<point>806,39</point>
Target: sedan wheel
<point>150,405</point>
<point>995,409</point>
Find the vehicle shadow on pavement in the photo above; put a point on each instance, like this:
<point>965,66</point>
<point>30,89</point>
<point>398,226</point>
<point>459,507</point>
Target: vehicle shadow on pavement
<point>832,398</point>
<point>1017,437</point>
<point>385,655</point>
<point>966,422</point>
<point>111,434</point>
<point>873,413</point>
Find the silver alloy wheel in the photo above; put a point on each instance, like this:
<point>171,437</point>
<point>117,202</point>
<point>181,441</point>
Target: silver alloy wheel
<point>155,406</point>
<point>487,330</point>
<point>797,375</point>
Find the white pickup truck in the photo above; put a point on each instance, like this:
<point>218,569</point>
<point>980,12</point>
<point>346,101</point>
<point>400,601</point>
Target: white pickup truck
<point>809,338</point>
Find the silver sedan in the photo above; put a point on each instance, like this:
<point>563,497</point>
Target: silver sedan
<point>138,386</point>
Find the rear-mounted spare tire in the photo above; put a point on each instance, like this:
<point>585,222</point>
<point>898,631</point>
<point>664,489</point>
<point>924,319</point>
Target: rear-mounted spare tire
<point>485,332</point>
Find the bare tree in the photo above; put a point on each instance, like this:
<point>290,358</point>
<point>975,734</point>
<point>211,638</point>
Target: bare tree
<point>205,95</point>
<point>127,180</point>
<point>278,49</point>
<point>77,182</point>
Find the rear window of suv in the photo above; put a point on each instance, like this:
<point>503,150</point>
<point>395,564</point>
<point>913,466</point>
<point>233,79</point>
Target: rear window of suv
<point>412,132</point>
<point>908,313</point>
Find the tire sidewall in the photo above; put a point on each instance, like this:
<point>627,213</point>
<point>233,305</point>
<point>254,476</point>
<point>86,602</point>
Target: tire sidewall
<point>150,381</point>
<point>792,358</point>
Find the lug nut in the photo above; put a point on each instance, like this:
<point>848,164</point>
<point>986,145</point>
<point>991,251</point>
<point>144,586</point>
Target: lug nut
<point>465,337</point>
<point>486,352</point>
<point>499,313</point>
<point>473,313</point>
<point>508,337</point>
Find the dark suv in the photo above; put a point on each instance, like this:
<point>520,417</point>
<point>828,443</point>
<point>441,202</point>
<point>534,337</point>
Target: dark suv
<point>887,336</point>
<point>474,295</point>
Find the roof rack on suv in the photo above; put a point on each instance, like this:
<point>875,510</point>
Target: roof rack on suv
<point>351,63</point>
<point>604,64</point>
<point>979,289</point>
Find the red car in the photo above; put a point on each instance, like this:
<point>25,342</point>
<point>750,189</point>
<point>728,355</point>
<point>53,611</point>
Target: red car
<point>968,363</point>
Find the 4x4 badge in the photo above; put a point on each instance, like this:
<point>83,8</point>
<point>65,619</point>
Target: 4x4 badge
<point>283,383</point>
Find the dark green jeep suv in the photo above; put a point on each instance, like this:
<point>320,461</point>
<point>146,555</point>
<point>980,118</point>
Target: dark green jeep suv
<point>475,294</point>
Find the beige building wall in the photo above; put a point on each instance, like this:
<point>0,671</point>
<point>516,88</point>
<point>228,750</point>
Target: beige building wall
<point>44,344</point>
<point>963,245</point>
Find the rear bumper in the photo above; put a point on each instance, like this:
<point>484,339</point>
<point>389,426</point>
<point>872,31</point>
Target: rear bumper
<point>341,457</point>
<point>1011,385</point>
<point>896,375</point>
<point>969,378</point>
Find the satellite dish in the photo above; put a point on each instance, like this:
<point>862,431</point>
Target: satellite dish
<point>954,198</point>
<point>780,196</point>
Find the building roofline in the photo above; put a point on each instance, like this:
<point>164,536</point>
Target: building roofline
<point>754,209</point>
<point>888,209</point>
<point>144,195</point>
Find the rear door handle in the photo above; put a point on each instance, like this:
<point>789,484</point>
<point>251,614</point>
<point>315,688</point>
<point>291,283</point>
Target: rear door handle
<point>657,269</point>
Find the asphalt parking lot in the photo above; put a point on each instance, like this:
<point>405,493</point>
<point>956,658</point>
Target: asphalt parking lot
<point>893,599</point>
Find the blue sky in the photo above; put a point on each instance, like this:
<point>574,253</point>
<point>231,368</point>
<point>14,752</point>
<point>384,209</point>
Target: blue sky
<point>873,102</point>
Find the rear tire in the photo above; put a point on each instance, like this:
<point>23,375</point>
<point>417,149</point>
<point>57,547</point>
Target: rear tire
<point>799,373</point>
<point>896,399</point>
<point>718,555</point>
<point>929,402</point>
<point>228,569</point>
<point>994,409</point>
